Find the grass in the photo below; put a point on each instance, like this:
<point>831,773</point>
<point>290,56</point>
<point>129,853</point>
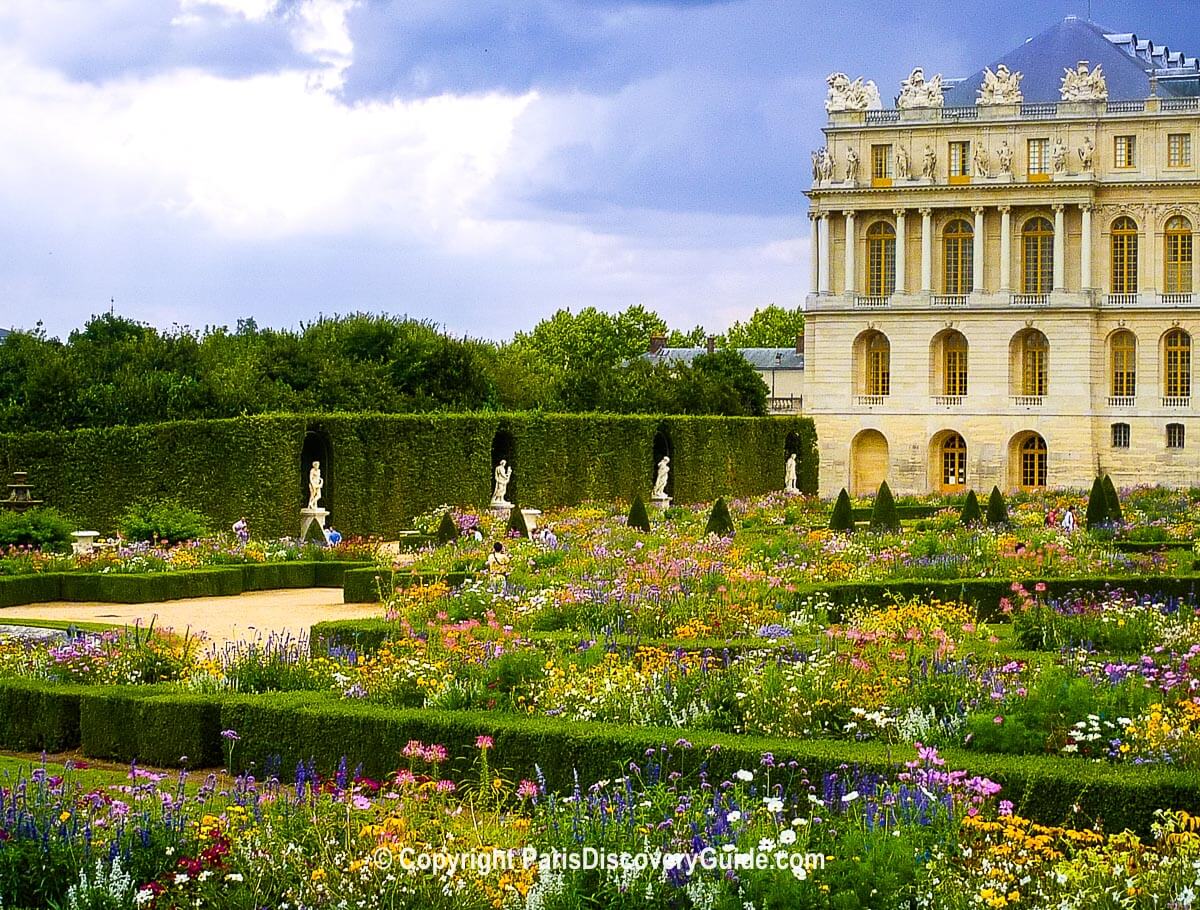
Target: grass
<point>63,624</point>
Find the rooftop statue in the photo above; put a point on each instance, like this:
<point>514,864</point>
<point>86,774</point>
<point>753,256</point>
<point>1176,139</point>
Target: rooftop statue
<point>1000,87</point>
<point>1080,85</point>
<point>916,92</point>
<point>845,95</point>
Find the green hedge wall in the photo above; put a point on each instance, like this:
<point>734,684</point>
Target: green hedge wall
<point>151,587</point>
<point>126,723</point>
<point>383,469</point>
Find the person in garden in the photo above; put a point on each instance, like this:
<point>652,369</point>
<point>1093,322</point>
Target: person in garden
<point>241,529</point>
<point>334,537</point>
<point>498,566</point>
<point>1051,518</point>
<point>1068,520</point>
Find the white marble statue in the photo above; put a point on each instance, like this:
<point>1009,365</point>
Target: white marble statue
<point>503,475</point>
<point>1058,156</point>
<point>845,95</point>
<point>1000,87</point>
<point>827,164</point>
<point>979,158</point>
<point>916,92</point>
<point>660,478</point>
<point>852,163</point>
<point>902,164</point>
<point>1087,152</point>
<point>789,475</point>
<point>816,164</point>
<point>1004,156</point>
<point>315,486</point>
<point>929,164</point>
<point>1080,85</point>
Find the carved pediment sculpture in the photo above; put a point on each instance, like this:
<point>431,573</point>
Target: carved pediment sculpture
<point>1000,87</point>
<point>845,95</point>
<point>1081,85</point>
<point>916,92</point>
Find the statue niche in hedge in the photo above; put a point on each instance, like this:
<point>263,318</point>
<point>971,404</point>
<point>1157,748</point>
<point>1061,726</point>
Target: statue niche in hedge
<point>720,522</point>
<point>884,516</point>
<point>842,518</point>
<point>971,513</point>
<point>997,510</point>
<point>638,517</point>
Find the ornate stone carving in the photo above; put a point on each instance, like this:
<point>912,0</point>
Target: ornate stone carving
<point>1081,85</point>
<point>852,163</point>
<point>929,163</point>
<point>916,92</point>
<point>845,95</point>
<point>826,164</point>
<point>1004,156</point>
<point>1087,153</point>
<point>1000,87</point>
<point>902,163</point>
<point>979,159</point>
<point>1058,156</point>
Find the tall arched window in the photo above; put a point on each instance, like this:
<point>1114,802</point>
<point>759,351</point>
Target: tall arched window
<point>1177,372</point>
<point>1123,376</point>
<point>881,259</point>
<point>1124,256</point>
<point>879,365</point>
<point>954,462</point>
<point>954,364</point>
<point>1037,258</point>
<point>1178,258</point>
<point>957,252</point>
<point>1033,462</point>
<point>1034,353</point>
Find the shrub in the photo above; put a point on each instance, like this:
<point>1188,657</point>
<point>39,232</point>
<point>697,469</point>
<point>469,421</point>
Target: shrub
<point>997,510</point>
<point>45,529</point>
<point>1097,506</point>
<point>843,516</point>
<point>164,520</point>
<point>638,517</point>
<point>447,531</point>
<point>719,520</point>
<point>971,513</point>
<point>1114,501</point>
<point>884,516</point>
<point>516,522</point>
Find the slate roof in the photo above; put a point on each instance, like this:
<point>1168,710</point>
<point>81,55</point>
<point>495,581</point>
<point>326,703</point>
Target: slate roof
<point>759,358</point>
<point>4,333</point>
<point>1126,60</point>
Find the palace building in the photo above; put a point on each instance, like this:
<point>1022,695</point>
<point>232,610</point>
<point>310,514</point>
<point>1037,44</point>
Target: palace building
<point>1003,271</point>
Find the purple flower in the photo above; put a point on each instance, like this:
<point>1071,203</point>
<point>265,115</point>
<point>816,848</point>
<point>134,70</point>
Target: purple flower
<point>230,735</point>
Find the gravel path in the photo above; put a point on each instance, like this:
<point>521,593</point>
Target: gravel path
<point>220,618</point>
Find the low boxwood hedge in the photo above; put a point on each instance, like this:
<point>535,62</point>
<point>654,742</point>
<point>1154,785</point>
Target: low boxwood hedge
<point>369,586</point>
<point>38,716</point>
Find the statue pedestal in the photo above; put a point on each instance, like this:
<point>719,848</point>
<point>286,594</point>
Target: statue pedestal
<point>790,491</point>
<point>661,503</point>
<point>501,508</point>
<point>531,518</point>
<point>84,542</point>
<point>310,516</point>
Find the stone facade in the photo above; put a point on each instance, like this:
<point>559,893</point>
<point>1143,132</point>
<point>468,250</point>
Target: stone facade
<point>1063,282</point>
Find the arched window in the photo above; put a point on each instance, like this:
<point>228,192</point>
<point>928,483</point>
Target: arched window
<point>1177,373</point>
<point>1124,256</point>
<point>1033,353</point>
<point>1123,376</point>
<point>1037,256</point>
<point>954,364</point>
<point>1178,256</point>
<point>1033,462</point>
<point>954,462</point>
<point>881,259</point>
<point>957,252</point>
<point>879,365</point>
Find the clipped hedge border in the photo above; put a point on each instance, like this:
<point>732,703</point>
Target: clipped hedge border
<point>370,586</point>
<point>143,723</point>
<point>149,587</point>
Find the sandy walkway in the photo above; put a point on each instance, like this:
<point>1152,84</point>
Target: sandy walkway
<point>221,618</point>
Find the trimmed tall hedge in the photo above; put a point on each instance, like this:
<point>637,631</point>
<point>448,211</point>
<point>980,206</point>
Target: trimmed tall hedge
<point>282,729</point>
<point>383,469</point>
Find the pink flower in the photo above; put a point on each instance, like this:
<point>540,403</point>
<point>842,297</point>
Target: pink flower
<point>998,719</point>
<point>1040,587</point>
<point>414,749</point>
<point>527,789</point>
<point>483,742</point>
<point>435,754</point>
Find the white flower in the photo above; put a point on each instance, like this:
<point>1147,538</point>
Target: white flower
<point>233,877</point>
<point>799,822</point>
<point>765,844</point>
<point>744,775</point>
<point>850,797</point>
<point>733,816</point>
<point>774,804</point>
<point>800,872</point>
<point>787,837</point>
<point>143,897</point>
<point>181,878</point>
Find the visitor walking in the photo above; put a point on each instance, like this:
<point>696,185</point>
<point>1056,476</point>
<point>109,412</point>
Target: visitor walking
<point>1068,520</point>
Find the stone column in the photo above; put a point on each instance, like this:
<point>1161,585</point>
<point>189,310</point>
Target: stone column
<point>977,252</point>
<point>850,274</point>
<point>926,250</point>
<point>1150,242</point>
<point>814,264</point>
<point>901,258</point>
<point>1060,248</point>
<point>1005,249</point>
<point>823,253</point>
<point>1085,251</point>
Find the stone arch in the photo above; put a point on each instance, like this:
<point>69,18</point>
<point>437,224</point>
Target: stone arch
<point>1028,461</point>
<point>1029,363</point>
<point>869,462</point>
<point>504,447</point>
<point>871,358</point>
<point>948,358</point>
<point>947,462</point>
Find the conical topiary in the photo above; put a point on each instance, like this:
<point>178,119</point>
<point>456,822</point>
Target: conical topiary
<point>842,518</point>
<point>971,513</point>
<point>720,522</point>
<point>1097,506</point>
<point>447,531</point>
<point>638,517</point>
<point>516,522</point>
<point>1114,501</point>
<point>997,510</point>
<point>884,516</point>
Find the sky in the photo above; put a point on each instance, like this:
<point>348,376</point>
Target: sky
<point>476,163</point>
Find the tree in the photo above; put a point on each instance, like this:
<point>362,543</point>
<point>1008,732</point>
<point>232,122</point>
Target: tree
<point>769,327</point>
<point>997,509</point>
<point>447,531</point>
<point>516,522</point>
<point>970,511</point>
<point>884,516</point>
<point>723,382</point>
<point>1115,514</point>
<point>1097,506</point>
<point>720,522</point>
<point>638,517</point>
<point>842,518</point>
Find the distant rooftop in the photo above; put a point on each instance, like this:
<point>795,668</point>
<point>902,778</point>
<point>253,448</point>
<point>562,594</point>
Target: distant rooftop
<point>759,358</point>
<point>1128,63</point>
<point>4,333</point>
